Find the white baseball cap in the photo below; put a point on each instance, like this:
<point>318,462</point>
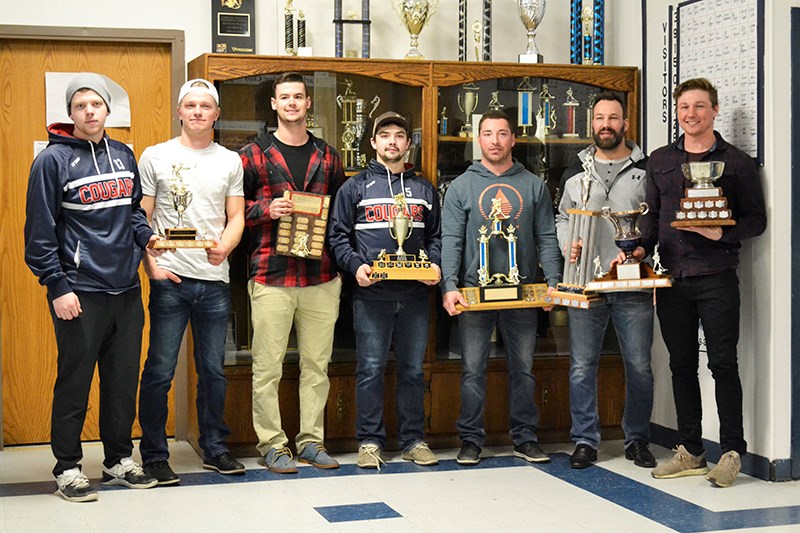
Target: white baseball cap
<point>198,85</point>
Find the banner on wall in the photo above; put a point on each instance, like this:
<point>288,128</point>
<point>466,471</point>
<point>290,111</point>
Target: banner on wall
<point>659,73</point>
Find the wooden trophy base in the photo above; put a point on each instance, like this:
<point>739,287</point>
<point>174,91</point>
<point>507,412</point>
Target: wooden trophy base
<point>568,295</point>
<point>181,238</point>
<point>613,281</point>
<point>393,268</point>
<point>494,297</point>
<point>703,207</point>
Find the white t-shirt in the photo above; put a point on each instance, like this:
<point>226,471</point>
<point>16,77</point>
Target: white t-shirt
<point>210,175</point>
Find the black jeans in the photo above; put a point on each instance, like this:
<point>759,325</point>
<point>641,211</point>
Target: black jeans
<point>107,334</point>
<point>712,301</point>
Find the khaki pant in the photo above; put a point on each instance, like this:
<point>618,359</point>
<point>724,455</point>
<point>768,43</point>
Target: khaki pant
<point>314,311</point>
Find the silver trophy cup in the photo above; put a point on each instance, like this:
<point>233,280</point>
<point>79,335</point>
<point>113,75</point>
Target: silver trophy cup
<point>531,12</point>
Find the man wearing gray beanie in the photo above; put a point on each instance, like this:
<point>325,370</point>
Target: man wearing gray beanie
<point>90,81</point>
<point>85,234</point>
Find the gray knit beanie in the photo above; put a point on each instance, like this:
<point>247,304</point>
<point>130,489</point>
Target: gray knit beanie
<point>88,80</point>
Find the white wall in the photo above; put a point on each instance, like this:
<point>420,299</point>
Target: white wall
<point>765,342</point>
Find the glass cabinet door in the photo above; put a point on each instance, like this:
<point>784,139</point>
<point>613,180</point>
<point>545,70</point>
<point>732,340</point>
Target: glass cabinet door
<point>343,108</point>
<point>553,124</point>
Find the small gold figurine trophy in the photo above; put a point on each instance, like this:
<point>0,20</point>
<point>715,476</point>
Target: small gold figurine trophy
<point>400,265</point>
<point>500,291</point>
<point>180,236</point>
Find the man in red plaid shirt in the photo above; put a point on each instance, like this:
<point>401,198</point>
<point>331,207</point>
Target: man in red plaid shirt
<point>286,290</point>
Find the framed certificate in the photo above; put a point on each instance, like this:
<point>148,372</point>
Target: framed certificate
<point>233,26</point>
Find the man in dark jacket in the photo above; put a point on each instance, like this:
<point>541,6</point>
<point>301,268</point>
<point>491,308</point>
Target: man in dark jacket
<point>705,292</point>
<point>388,309</point>
<point>84,236</point>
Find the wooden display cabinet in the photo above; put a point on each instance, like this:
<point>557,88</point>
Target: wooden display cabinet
<point>419,90</point>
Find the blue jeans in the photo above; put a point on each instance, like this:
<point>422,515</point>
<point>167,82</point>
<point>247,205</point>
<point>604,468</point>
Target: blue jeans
<point>376,322</point>
<point>172,305</point>
<point>632,315</point>
<point>518,328</point>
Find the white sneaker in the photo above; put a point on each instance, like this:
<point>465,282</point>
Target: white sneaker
<point>73,486</point>
<point>128,474</point>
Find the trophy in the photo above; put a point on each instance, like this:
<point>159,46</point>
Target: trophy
<point>531,13</point>
<point>630,274</point>
<point>180,236</point>
<point>571,105</point>
<point>703,204</point>
<point>400,265</point>
<point>546,118</point>
<point>468,103</point>
<point>582,228</point>
<point>525,93</point>
<point>415,14</point>
<point>494,103</point>
<point>500,290</point>
<point>355,122</point>
<point>360,127</point>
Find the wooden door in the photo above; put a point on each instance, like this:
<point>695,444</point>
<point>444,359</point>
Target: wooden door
<point>145,71</point>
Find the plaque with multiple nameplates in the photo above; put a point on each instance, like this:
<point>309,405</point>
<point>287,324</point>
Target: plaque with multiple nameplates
<point>302,234</point>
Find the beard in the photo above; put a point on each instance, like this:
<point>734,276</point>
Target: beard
<point>608,143</point>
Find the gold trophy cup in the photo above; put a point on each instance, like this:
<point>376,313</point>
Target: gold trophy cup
<point>415,14</point>
<point>180,236</point>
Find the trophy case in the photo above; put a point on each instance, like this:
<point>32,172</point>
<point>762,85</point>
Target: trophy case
<point>440,100</point>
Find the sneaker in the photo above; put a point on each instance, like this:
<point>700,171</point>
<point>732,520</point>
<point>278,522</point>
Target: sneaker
<point>421,454</point>
<point>73,486</point>
<point>369,456</point>
<point>127,473</point>
<point>726,470</point>
<point>224,463</point>
<point>683,464</point>
<point>314,453</point>
<point>162,472</point>
<point>469,454</point>
<point>531,452</point>
<point>280,460</point>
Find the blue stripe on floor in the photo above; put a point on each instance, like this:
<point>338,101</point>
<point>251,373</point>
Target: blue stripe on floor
<point>359,511</point>
<point>647,501</point>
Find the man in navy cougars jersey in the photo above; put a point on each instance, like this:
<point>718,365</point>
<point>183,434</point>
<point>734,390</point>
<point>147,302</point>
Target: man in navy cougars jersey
<point>386,310</point>
<point>84,237</point>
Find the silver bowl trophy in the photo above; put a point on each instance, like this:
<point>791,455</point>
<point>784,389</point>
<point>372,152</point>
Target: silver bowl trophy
<point>415,14</point>
<point>468,103</point>
<point>400,265</point>
<point>180,236</point>
<point>630,273</point>
<point>531,12</point>
<point>500,290</point>
<point>703,204</point>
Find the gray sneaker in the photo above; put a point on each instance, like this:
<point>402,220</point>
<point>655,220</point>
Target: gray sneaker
<point>531,452</point>
<point>369,456</point>
<point>726,470</point>
<point>314,453</point>
<point>421,454</point>
<point>682,464</point>
<point>280,460</point>
<point>73,486</point>
<point>127,473</point>
<point>469,454</point>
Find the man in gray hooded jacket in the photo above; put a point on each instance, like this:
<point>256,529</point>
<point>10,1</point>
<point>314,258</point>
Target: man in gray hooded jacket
<point>617,170</point>
<point>497,180</point>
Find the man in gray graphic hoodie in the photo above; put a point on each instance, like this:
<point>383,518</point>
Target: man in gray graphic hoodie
<point>525,202</point>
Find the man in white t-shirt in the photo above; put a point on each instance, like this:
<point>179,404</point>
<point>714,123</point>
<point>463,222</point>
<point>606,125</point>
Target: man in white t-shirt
<point>190,284</point>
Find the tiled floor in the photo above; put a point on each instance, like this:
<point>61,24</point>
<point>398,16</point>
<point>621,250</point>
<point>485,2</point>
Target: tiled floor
<point>501,494</point>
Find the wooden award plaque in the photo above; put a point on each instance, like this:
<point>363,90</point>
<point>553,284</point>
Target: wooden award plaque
<point>613,281</point>
<point>302,234</point>
<point>505,297</point>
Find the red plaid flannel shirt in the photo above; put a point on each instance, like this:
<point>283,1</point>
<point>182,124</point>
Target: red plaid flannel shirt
<point>266,176</point>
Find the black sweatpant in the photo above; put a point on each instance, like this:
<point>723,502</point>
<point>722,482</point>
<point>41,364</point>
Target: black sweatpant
<point>108,334</point>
